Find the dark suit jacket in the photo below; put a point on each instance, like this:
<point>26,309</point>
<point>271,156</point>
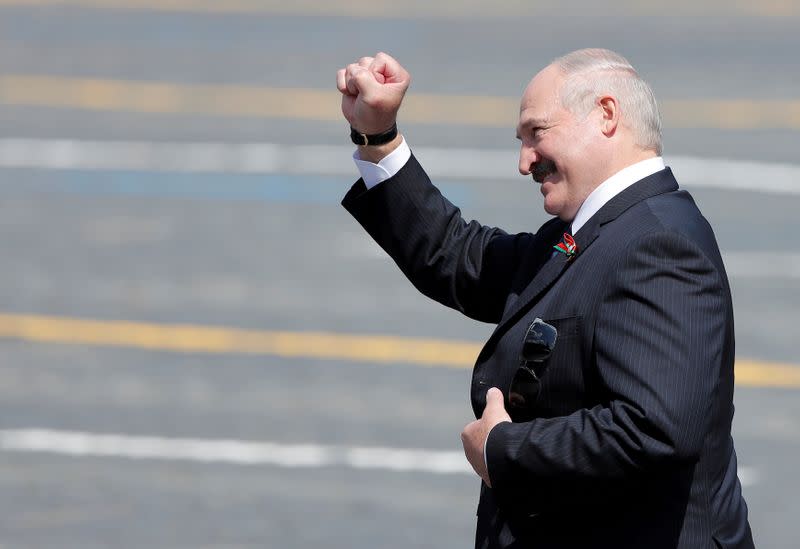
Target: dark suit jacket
<point>631,445</point>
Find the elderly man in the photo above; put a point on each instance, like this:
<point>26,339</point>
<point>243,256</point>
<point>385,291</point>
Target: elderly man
<point>605,394</point>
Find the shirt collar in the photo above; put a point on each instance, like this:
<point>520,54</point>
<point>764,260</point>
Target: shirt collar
<point>614,185</point>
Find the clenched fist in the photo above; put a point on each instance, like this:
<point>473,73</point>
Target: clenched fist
<point>372,91</point>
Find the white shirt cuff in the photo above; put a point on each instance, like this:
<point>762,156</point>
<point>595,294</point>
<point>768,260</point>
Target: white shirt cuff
<point>372,173</point>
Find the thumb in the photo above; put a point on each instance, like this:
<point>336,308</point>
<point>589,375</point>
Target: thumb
<point>494,397</point>
<point>365,81</point>
<point>388,67</point>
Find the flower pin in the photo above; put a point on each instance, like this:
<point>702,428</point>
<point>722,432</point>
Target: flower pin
<point>567,246</point>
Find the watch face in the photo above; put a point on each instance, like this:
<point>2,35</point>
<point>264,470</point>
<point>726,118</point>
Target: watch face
<point>358,138</point>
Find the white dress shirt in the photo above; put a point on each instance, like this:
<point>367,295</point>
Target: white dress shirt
<point>372,174</point>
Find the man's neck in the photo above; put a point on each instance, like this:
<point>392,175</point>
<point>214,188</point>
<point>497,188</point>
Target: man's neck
<point>613,185</point>
<point>623,161</point>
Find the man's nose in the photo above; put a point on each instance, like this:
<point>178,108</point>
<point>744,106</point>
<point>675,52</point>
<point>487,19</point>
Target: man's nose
<point>527,158</point>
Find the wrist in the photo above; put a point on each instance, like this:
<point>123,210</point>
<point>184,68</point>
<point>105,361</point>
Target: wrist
<point>360,137</point>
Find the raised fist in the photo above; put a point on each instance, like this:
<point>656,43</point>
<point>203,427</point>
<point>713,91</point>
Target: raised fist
<point>372,91</point>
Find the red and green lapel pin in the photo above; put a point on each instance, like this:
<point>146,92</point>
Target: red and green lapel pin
<point>567,246</point>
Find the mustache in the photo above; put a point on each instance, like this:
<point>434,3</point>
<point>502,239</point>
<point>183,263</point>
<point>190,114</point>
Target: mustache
<point>542,169</point>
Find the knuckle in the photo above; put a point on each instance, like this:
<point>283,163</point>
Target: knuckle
<point>376,102</point>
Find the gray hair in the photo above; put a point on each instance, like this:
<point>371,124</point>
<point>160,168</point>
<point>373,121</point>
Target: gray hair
<point>592,72</point>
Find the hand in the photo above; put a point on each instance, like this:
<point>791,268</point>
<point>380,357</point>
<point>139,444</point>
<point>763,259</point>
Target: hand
<point>474,435</point>
<point>372,91</point>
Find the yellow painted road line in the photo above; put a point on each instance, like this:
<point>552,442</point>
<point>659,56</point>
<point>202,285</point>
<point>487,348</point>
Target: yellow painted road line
<point>425,9</point>
<point>732,114</point>
<point>166,98</point>
<point>95,94</point>
<point>215,339</point>
<point>763,374</point>
<point>246,101</point>
<point>187,338</point>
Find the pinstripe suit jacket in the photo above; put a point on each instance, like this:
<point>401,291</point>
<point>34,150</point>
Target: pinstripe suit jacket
<point>631,445</point>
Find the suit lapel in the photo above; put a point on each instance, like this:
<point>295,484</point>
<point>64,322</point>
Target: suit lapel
<point>548,274</point>
<point>658,183</point>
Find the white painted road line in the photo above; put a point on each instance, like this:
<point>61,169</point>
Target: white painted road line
<point>237,452</point>
<point>492,165</point>
<point>240,452</point>
<point>748,476</point>
<point>762,264</point>
<point>464,164</point>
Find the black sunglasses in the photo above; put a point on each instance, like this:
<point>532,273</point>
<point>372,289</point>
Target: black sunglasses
<point>537,346</point>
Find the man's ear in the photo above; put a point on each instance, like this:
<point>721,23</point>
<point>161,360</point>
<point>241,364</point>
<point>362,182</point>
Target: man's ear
<point>609,108</point>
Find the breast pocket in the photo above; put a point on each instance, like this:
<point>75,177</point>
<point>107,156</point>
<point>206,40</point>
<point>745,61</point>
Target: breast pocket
<point>567,326</point>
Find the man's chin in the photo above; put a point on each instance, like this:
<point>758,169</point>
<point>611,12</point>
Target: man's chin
<point>557,210</point>
<point>551,209</point>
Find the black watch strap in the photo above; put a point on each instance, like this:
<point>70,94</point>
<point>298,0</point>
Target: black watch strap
<point>376,139</point>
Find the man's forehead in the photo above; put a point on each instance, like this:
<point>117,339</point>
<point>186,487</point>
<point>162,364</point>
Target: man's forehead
<point>541,94</point>
<point>535,113</point>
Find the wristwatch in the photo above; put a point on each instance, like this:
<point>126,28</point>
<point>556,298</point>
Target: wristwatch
<point>376,139</point>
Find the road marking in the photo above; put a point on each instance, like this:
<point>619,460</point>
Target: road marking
<point>274,158</point>
<point>763,264</point>
<point>126,158</point>
<point>242,452</point>
<point>751,373</point>
<point>273,188</point>
<point>373,349</point>
<point>238,452</point>
<point>748,476</point>
<point>212,339</point>
<point>422,9</point>
<point>97,94</point>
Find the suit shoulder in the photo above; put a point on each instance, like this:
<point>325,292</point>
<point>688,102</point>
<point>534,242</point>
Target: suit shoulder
<point>672,216</point>
<point>671,224</point>
<point>678,212</point>
<point>672,212</point>
<point>675,209</point>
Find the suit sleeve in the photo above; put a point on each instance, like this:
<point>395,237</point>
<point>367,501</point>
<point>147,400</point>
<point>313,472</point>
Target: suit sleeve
<point>463,265</point>
<point>658,340</point>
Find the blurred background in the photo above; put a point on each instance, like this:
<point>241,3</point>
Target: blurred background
<point>199,348</point>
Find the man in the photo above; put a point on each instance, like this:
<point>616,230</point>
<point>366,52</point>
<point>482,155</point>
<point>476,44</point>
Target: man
<point>624,435</point>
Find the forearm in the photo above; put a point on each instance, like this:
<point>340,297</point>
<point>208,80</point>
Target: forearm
<point>448,259</point>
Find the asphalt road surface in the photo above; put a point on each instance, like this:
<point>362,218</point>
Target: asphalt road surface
<point>179,282</point>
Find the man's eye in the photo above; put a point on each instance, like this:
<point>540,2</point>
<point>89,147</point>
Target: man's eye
<point>536,131</point>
